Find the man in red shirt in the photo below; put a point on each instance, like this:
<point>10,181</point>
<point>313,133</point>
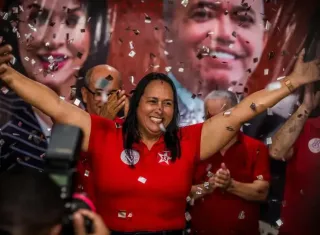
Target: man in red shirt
<point>298,143</point>
<point>224,205</point>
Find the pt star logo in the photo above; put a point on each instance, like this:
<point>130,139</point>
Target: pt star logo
<point>164,157</point>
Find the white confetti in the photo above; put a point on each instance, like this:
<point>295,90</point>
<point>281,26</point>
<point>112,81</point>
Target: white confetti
<point>32,27</point>
<point>33,61</point>
<point>131,78</point>
<point>142,180</point>
<point>162,127</point>
<point>86,173</point>
<point>26,58</point>
<point>168,69</point>
<point>122,214</point>
<point>184,3</point>
<point>279,222</point>
<point>266,71</point>
<point>104,97</point>
<point>247,124</point>
<point>63,98</point>
<point>188,216</point>
<point>169,40</point>
<point>13,60</point>
<point>206,185</point>
<point>147,19</point>
<point>260,177</point>
<point>231,46</point>
<point>131,45</point>
<point>132,53</point>
<point>166,53</point>
<point>130,215</point>
<point>189,199</point>
<point>241,215</point>
<point>269,140</point>
<point>273,86</point>
<point>181,70</point>
<point>268,25</point>
<point>280,78</point>
<point>77,102</point>
<point>5,16</point>
<point>47,44</point>
<point>21,8</point>
<point>227,113</point>
<point>4,90</point>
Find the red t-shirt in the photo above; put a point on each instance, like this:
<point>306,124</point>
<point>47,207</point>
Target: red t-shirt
<point>152,195</point>
<point>302,182</point>
<point>84,182</point>
<point>222,212</point>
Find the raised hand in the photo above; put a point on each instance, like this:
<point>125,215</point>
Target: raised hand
<point>115,102</point>
<point>305,72</point>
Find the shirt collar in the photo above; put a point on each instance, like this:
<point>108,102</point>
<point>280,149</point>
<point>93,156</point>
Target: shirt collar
<point>186,96</point>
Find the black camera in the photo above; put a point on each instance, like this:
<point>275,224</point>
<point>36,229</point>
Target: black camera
<point>60,164</point>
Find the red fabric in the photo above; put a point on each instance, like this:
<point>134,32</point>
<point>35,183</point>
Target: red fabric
<point>157,204</point>
<point>84,181</point>
<point>218,212</point>
<point>302,183</point>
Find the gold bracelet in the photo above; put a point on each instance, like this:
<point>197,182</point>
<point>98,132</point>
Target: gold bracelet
<point>288,83</point>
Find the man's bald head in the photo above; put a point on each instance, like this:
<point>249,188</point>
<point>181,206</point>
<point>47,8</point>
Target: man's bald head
<point>91,93</point>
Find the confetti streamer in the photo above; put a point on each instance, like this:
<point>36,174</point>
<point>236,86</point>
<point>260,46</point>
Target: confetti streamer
<point>162,127</point>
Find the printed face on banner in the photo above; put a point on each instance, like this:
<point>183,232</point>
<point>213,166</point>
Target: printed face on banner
<point>232,33</point>
<point>59,41</point>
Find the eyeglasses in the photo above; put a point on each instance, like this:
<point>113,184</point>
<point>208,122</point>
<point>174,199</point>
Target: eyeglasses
<point>98,93</point>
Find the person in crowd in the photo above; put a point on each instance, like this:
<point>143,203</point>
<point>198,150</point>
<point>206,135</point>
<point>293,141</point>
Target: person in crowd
<point>214,43</point>
<point>298,143</point>
<point>30,204</point>
<point>92,92</point>
<point>247,162</point>
<point>143,170</point>
<point>98,80</point>
<point>53,43</point>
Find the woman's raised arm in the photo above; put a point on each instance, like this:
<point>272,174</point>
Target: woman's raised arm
<point>219,130</point>
<point>43,98</point>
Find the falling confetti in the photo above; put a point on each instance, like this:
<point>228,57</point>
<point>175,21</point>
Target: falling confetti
<point>181,70</point>
<point>86,173</point>
<point>273,86</point>
<point>227,113</point>
<point>162,127</point>
<point>266,71</point>
<point>168,69</point>
<point>122,214</point>
<point>279,222</point>
<point>184,3</point>
<point>260,177</point>
<point>188,216</point>
<point>206,185</point>
<point>131,45</point>
<point>241,215</point>
<point>132,54</point>
<point>269,141</point>
<point>147,19</point>
<point>77,102</point>
<point>142,180</point>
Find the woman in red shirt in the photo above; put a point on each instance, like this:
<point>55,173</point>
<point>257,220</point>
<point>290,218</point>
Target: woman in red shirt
<point>143,171</point>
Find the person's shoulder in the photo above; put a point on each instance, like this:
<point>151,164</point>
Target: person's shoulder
<point>191,129</point>
<point>99,123</point>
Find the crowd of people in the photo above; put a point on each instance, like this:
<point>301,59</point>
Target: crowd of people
<point>141,169</point>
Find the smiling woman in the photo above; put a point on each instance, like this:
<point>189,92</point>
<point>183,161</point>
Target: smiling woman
<point>54,42</point>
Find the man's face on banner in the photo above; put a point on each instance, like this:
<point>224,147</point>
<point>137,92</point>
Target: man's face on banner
<point>233,33</point>
<point>59,33</point>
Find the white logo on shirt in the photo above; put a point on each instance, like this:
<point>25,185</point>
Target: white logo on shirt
<point>125,158</point>
<point>314,145</point>
<point>164,157</point>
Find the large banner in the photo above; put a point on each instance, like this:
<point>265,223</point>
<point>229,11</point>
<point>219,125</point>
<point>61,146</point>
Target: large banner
<point>236,45</point>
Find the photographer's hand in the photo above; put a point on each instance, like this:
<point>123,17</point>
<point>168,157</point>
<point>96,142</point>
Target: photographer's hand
<point>98,224</point>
